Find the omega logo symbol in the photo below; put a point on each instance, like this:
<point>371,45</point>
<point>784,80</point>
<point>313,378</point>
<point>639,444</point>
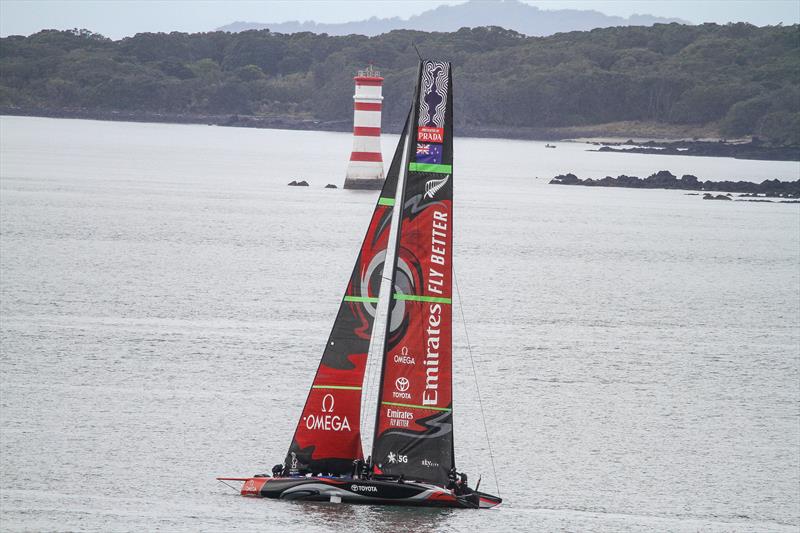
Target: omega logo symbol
<point>327,400</point>
<point>401,384</point>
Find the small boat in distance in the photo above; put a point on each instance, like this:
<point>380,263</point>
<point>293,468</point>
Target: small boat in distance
<point>548,145</point>
<point>413,452</point>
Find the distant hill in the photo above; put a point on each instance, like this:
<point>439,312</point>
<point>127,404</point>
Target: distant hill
<point>509,14</point>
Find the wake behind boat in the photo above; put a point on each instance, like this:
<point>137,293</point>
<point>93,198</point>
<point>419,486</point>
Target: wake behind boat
<point>413,446</point>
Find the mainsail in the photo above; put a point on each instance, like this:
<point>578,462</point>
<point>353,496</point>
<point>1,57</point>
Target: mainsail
<point>414,426</point>
<point>328,434</point>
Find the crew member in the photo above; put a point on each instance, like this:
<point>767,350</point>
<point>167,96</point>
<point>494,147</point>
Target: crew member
<point>358,468</point>
<point>451,479</point>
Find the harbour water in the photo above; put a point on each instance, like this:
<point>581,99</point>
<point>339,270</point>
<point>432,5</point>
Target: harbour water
<point>164,299</point>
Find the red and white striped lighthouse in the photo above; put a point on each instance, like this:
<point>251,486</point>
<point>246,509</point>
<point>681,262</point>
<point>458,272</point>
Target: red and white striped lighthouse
<point>365,170</point>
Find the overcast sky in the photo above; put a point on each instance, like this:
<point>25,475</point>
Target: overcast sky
<point>121,18</point>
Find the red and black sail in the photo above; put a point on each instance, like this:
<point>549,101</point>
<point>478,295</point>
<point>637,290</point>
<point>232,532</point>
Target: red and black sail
<point>328,434</point>
<point>414,426</point>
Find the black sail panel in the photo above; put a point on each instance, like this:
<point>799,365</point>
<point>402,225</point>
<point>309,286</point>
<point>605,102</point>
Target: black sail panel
<point>414,427</point>
<point>328,434</point>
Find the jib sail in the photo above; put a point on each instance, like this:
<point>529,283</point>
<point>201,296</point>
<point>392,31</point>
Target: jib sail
<point>414,427</point>
<point>328,434</point>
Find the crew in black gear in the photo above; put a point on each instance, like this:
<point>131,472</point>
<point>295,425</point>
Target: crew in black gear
<point>366,468</point>
<point>451,479</point>
<point>358,468</point>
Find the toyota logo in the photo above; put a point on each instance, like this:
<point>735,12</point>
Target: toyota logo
<point>401,384</point>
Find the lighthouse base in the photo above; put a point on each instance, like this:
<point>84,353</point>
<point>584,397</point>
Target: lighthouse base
<point>368,184</point>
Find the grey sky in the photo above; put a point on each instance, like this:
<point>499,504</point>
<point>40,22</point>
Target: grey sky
<point>120,18</point>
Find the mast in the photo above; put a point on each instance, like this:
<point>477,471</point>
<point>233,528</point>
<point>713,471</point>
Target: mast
<point>414,429</point>
<point>393,245</point>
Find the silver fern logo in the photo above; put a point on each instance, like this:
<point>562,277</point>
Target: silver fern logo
<point>433,186</point>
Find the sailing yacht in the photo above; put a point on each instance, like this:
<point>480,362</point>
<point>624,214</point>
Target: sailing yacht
<point>410,235</point>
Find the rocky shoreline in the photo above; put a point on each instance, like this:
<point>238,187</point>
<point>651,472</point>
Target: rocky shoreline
<point>752,150</point>
<point>739,150</point>
<point>666,180</point>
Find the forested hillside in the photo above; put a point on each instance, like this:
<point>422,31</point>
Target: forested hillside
<point>739,79</point>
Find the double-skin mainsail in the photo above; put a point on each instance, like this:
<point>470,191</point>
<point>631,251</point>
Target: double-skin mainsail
<point>414,426</point>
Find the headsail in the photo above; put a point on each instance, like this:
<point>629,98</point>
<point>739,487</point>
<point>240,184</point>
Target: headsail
<point>328,434</point>
<point>414,427</point>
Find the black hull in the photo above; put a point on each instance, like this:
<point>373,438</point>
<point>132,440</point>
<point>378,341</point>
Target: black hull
<point>375,492</point>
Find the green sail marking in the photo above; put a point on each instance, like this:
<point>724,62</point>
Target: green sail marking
<point>339,387</point>
<point>417,298</point>
<point>385,201</point>
<point>361,299</point>
<point>430,167</point>
<point>417,406</point>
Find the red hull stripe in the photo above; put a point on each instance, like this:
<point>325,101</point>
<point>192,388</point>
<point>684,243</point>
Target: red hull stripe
<point>366,156</point>
<point>374,82</point>
<point>367,106</point>
<point>252,487</point>
<point>364,131</point>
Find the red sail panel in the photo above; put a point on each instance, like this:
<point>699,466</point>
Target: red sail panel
<point>328,434</point>
<point>414,433</point>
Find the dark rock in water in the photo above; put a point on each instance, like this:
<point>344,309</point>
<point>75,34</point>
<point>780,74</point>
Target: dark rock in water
<point>331,186</point>
<point>752,150</point>
<point>565,179</point>
<point>294,183</point>
<point>664,179</point>
<point>709,196</point>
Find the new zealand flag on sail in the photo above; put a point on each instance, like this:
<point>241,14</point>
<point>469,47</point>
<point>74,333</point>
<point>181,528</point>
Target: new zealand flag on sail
<point>429,153</point>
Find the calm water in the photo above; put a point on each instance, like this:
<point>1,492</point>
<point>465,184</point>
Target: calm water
<point>164,298</point>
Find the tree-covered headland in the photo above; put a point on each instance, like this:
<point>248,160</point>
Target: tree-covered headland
<point>736,80</point>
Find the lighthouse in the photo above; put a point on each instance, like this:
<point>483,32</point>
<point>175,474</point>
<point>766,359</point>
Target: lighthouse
<point>365,170</point>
